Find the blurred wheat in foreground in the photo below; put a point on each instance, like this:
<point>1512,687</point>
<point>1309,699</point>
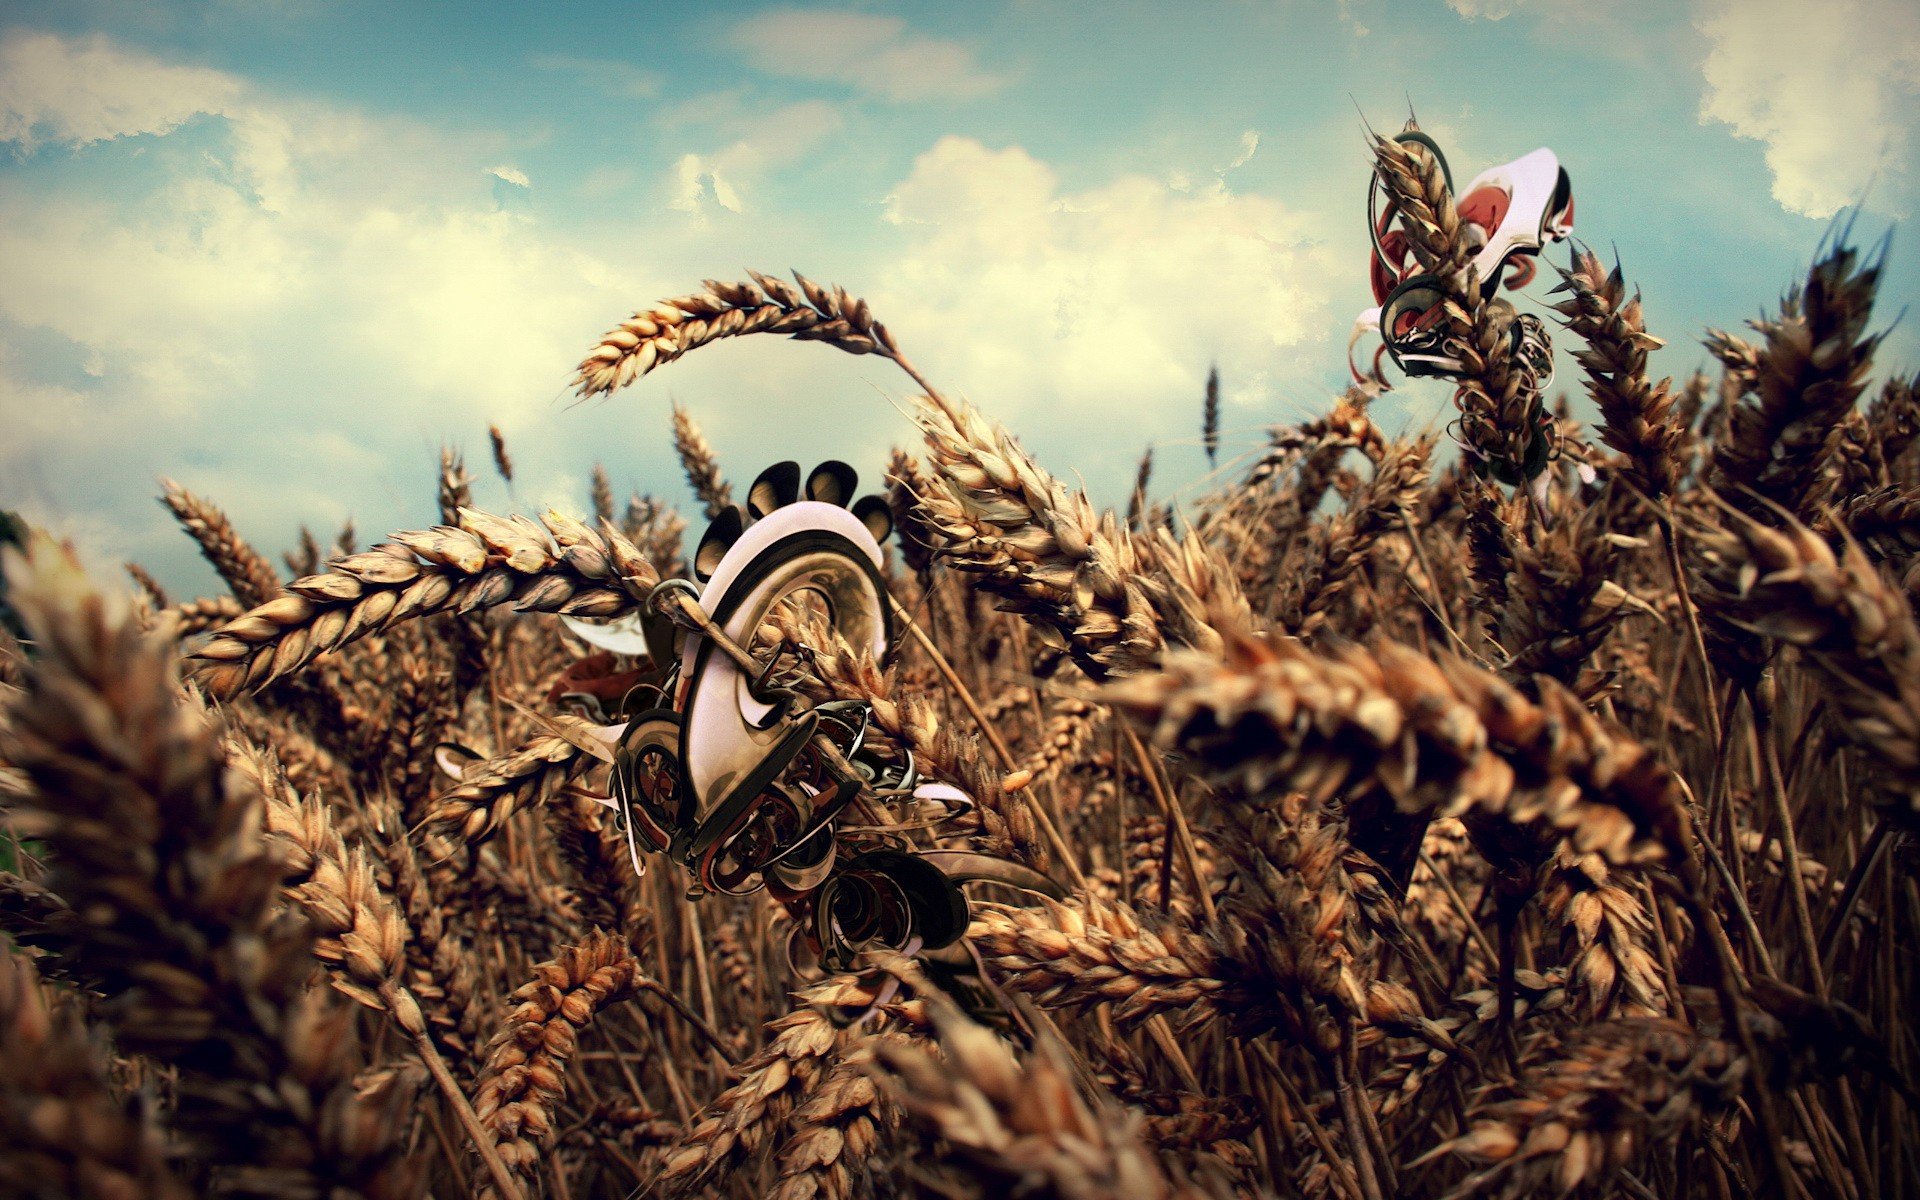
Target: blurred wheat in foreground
<point>1418,844</point>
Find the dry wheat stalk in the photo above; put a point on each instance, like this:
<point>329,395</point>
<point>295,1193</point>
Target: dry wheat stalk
<point>455,493</point>
<point>251,576</point>
<point>612,894</point>
<point>192,617</point>
<point>1036,545</point>
<point>1894,419</point>
<point>1026,1125</point>
<point>309,766</point>
<point>159,846</point>
<point>525,1074</point>
<point>659,531</point>
<point>1470,1023</point>
<point>837,1129</point>
<point>443,970</point>
<point>1804,380</point>
<point>1346,426</point>
<point>1855,462</point>
<point>1258,523</point>
<point>1210,415</point>
<point>906,484</point>
<point>1065,738</point>
<point>34,917</point>
<point>358,930</point>
<point>1854,628</point>
<point>1087,952</point>
<point>1490,544</point>
<point>1137,499</point>
<point>1376,510</point>
<point>600,495</point>
<point>424,698</point>
<point>1146,858</point>
<point>1589,1103</point>
<point>304,558</point>
<point>148,585</point>
<point>660,334</point>
<point>64,1135</point>
<point>701,464</point>
<point>1081,579</point>
<point>502,461</point>
<point>564,567</point>
<point>800,1049</point>
<point>1636,415</point>
<point>1560,600</point>
<point>1434,736</point>
<point>1291,927</point>
<point>530,776</point>
<point>1885,522</point>
<point>1612,971</point>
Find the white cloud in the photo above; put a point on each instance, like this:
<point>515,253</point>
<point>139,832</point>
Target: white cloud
<point>1831,90</point>
<point>1096,306</point>
<point>875,54</point>
<point>698,183</point>
<point>608,75</point>
<point>703,181</point>
<point>1491,10</point>
<point>79,92</point>
<point>1249,145</point>
<point>286,309</point>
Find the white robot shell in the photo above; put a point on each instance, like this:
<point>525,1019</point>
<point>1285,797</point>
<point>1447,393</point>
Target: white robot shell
<point>1536,213</point>
<point>808,545</point>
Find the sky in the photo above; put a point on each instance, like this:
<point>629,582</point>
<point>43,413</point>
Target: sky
<point>283,252</point>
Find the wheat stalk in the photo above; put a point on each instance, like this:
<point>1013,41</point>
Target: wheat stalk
<point>700,463</point>
<point>1803,381</point>
<point>1376,510</point>
<point>529,777</point>
<point>1637,417</point>
<point>1210,416</point>
<point>502,461</point>
<point>251,576</point>
<point>64,1131</point>
<point>1435,736</point>
<point>658,335</point>
<point>837,1129</point>
<point>1849,623</point>
<point>801,1048</point>
<point>358,930</point>
<point>487,561</point>
<point>1024,1125</point>
<point>1587,1103</point>
<point>524,1078</point>
<point>159,847</point>
<point>1088,952</point>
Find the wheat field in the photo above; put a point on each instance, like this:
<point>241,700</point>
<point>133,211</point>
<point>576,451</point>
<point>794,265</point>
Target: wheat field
<point>1414,842</point>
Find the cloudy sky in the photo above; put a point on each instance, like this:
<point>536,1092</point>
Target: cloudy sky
<point>281,252</point>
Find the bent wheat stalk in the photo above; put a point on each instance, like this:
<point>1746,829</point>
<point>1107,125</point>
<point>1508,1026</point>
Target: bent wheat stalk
<point>157,843</point>
<point>1079,576</point>
<point>563,567</point>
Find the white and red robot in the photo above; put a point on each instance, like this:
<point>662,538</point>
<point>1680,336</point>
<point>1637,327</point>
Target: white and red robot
<point>746,784</point>
<point>1507,215</point>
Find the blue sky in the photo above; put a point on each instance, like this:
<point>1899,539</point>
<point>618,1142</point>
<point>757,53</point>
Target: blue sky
<point>281,252</point>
